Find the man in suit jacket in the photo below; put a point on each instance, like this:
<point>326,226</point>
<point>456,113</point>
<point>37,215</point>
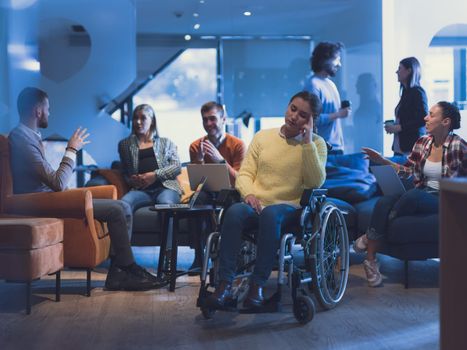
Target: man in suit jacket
<point>32,173</point>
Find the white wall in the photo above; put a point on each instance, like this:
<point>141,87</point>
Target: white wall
<point>359,28</point>
<point>18,47</point>
<point>116,62</point>
<point>4,81</point>
<point>111,67</point>
<point>408,27</point>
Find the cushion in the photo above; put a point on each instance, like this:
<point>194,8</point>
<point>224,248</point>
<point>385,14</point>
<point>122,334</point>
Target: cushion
<point>30,233</point>
<point>365,210</point>
<point>355,161</point>
<point>413,229</point>
<point>146,220</point>
<point>348,178</point>
<point>28,265</point>
<point>350,214</point>
<point>184,183</point>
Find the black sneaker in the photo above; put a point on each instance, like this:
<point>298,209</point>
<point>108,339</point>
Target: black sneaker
<point>120,278</point>
<point>143,273</point>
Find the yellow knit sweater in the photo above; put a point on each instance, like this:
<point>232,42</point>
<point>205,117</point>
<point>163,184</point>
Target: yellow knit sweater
<point>277,170</point>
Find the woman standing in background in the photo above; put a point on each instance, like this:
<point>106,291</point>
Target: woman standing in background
<point>411,110</point>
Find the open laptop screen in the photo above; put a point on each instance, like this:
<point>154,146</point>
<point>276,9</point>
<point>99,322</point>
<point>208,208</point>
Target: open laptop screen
<point>388,180</point>
<point>217,176</point>
<point>198,190</point>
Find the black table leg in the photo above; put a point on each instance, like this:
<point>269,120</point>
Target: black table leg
<point>57,286</point>
<point>28,297</point>
<point>163,248</point>
<point>173,259</point>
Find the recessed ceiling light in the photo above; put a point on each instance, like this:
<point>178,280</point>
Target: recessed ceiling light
<point>201,1</point>
<point>187,37</point>
<point>247,13</point>
<point>196,26</point>
<point>195,14</point>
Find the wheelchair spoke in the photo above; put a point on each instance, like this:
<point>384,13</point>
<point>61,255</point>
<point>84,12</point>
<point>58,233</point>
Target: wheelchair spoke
<point>333,274</point>
<point>329,257</point>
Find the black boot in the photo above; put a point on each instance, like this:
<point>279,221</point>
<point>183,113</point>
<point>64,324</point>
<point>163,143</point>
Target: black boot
<point>255,296</point>
<point>132,277</point>
<point>221,296</point>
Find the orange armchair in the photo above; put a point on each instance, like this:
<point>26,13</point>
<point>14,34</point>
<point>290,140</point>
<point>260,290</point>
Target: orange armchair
<point>86,241</point>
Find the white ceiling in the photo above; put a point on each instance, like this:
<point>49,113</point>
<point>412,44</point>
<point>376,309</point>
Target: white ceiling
<point>225,17</point>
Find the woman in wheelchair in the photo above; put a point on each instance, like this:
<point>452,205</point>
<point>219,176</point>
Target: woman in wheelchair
<point>440,154</point>
<point>279,165</point>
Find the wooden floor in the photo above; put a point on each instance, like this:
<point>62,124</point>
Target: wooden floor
<point>390,317</point>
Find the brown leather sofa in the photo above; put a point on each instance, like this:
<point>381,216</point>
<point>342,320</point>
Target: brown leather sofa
<point>31,248</point>
<point>86,241</point>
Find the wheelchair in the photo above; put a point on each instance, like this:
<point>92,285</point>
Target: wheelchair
<point>323,272</point>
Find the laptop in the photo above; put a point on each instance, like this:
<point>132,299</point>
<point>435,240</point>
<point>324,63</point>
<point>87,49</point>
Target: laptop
<point>217,176</point>
<point>388,180</point>
<point>193,199</point>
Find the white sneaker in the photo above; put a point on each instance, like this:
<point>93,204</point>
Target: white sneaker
<point>373,275</point>
<point>361,244</point>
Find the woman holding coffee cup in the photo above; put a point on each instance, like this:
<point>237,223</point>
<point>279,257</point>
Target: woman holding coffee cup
<point>411,110</point>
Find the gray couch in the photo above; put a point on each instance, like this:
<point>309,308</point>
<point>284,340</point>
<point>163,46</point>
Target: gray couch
<point>354,189</point>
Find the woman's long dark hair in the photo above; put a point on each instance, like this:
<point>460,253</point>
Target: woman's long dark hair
<point>313,101</point>
<point>415,74</point>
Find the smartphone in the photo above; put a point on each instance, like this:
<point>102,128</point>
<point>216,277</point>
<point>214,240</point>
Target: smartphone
<point>346,104</point>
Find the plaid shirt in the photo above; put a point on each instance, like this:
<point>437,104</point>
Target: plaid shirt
<point>454,161</point>
<point>166,157</point>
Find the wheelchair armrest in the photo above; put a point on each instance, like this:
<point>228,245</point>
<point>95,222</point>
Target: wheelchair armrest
<point>227,197</point>
<point>309,194</point>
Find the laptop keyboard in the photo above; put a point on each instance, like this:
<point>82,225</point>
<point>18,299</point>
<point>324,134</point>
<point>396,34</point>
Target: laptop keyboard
<point>175,206</point>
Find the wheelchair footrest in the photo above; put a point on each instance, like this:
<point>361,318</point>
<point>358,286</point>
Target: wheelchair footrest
<point>273,304</point>
<point>267,308</point>
<point>202,302</point>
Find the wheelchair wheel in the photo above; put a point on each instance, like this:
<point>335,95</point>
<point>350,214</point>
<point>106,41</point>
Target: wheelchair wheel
<point>329,262</point>
<point>245,264</point>
<point>214,257</point>
<point>303,309</point>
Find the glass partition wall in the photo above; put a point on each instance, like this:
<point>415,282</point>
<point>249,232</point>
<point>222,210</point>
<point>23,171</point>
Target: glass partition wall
<point>177,93</point>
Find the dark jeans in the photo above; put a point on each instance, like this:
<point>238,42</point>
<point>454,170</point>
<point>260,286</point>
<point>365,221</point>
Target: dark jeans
<point>119,218</point>
<point>413,202</point>
<point>270,222</point>
<point>138,199</point>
